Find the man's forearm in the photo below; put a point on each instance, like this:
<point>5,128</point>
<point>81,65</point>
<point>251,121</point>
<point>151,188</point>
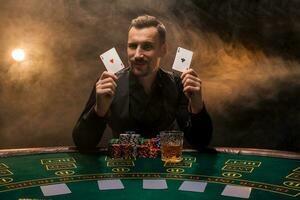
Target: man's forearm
<point>198,130</point>
<point>88,130</point>
<point>201,130</point>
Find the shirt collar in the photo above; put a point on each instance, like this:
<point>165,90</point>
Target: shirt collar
<point>158,82</point>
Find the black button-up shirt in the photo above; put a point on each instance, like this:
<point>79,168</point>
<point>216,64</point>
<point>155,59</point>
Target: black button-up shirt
<point>132,109</point>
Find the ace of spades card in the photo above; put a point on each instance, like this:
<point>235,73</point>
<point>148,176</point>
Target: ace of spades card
<point>182,60</point>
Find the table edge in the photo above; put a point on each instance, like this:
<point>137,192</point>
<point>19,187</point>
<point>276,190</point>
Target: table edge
<point>228,150</point>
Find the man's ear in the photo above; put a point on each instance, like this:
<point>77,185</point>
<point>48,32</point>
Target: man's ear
<point>164,49</point>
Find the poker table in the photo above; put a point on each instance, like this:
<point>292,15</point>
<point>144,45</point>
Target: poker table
<point>270,174</point>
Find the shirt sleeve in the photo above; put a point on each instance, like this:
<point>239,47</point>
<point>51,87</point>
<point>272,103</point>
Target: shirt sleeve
<point>198,127</point>
<point>89,128</point>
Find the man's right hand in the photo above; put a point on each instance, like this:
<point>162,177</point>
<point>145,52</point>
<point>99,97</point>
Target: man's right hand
<point>105,91</point>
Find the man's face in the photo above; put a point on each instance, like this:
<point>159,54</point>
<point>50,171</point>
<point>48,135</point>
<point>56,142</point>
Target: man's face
<point>144,50</point>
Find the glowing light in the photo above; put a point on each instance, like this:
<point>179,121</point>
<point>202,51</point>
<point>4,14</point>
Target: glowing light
<point>18,55</point>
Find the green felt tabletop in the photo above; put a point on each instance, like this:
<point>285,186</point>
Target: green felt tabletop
<point>270,178</point>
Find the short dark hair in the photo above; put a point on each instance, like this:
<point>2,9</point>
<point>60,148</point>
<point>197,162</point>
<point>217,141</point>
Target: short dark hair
<point>145,21</point>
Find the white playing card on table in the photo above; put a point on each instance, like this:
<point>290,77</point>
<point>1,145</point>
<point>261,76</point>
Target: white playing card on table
<point>55,189</point>
<point>112,61</point>
<point>155,184</point>
<point>113,184</point>
<point>182,60</point>
<point>237,191</point>
<point>193,186</point>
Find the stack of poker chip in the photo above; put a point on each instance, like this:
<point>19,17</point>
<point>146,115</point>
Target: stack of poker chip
<point>127,151</point>
<point>114,149</point>
<point>134,141</point>
<point>124,138</point>
<point>148,148</point>
<point>143,149</point>
<point>153,150</point>
<point>126,148</point>
<point>131,145</point>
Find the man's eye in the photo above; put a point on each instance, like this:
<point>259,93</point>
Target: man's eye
<point>132,46</point>
<point>147,47</point>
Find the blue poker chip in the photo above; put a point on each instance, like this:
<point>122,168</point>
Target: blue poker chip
<point>158,141</point>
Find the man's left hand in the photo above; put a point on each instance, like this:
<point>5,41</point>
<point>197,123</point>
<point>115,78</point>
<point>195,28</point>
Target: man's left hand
<point>192,90</point>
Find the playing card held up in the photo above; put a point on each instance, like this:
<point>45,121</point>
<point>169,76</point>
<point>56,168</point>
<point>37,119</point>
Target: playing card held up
<point>182,60</point>
<point>112,61</point>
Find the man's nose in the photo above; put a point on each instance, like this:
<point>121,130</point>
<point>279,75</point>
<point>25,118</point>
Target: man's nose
<point>138,52</point>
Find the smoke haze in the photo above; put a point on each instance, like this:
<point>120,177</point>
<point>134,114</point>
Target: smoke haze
<point>246,52</point>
